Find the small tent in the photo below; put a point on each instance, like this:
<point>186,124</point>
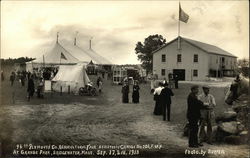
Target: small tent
<point>73,76</point>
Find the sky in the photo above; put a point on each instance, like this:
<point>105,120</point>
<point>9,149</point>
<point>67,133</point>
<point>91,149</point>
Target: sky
<point>29,28</point>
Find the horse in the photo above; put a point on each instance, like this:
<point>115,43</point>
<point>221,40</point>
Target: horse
<point>238,87</point>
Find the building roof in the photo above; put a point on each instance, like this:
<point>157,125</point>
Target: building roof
<point>208,48</point>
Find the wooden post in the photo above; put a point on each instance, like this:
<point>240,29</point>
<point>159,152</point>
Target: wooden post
<point>51,91</point>
<point>61,91</point>
<point>191,74</point>
<point>68,89</point>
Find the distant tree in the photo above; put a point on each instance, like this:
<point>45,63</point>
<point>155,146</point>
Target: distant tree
<point>144,50</point>
<point>243,66</point>
<point>11,61</point>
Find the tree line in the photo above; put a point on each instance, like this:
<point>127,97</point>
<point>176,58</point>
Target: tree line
<point>12,61</point>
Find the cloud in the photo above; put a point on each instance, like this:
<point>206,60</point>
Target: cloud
<point>199,10</point>
<point>218,26</point>
<point>116,26</point>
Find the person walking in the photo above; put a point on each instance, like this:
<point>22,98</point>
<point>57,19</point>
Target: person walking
<point>12,78</point>
<point>136,94</point>
<point>152,85</point>
<point>165,101</point>
<point>158,107</point>
<point>31,87</point>
<point>99,84</point>
<point>207,114</point>
<point>22,78</point>
<point>193,116</point>
<point>176,81</point>
<point>170,80</point>
<point>98,80</point>
<point>125,92</point>
<point>2,75</point>
<point>40,88</point>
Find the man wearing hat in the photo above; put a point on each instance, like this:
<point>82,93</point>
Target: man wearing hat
<point>207,114</point>
<point>193,116</point>
<point>165,101</point>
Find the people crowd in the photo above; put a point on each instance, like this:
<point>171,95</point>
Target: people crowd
<point>200,114</point>
<point>135,91</point>
<point>35,80</point>
<point>200,107</point>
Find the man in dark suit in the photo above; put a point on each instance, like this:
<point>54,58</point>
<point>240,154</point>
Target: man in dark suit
<point>193,116</point>
<point>176,78</point>
<point>125,92</point>
<point>165,101</point>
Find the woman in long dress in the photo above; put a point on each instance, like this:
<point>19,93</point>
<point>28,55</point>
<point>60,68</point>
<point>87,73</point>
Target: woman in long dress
<point>31,88</point>
<point>158,106</point>
<point>135,94</point>
<point>125,92</point>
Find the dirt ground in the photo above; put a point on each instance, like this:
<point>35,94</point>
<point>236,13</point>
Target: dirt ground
<point>76,120</point>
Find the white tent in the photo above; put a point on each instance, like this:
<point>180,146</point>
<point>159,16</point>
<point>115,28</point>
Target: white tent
<point>56,56</point>
<point>86,56</point>
<point>97,59</point>
<point>78,53</point>
<point>74,76</point>
<point>67,54</point>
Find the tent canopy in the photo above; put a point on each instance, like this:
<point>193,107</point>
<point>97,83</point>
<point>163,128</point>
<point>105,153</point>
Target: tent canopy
<point>58,54</point>
<point>78,53</point>
<point>98,59</point>
<point>67,54</point>
<point>74,76</point>
<point>87,55</point>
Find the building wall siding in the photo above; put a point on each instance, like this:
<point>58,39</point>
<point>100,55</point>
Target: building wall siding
<point>214,61</point>
<point>187,63</point>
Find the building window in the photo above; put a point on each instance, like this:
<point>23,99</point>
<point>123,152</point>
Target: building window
<point>163,72</point>
<point>195,58</point>
<point>195,73</point>
<point>178,58</point>
<point>163,58</point>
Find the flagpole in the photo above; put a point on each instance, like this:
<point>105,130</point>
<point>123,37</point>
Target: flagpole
<point>179,21</point>
<point>179,28</point>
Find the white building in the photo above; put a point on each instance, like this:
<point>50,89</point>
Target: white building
<point>192,60</point>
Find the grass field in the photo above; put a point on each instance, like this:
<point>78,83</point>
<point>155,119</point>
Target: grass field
<point>71,119</point>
